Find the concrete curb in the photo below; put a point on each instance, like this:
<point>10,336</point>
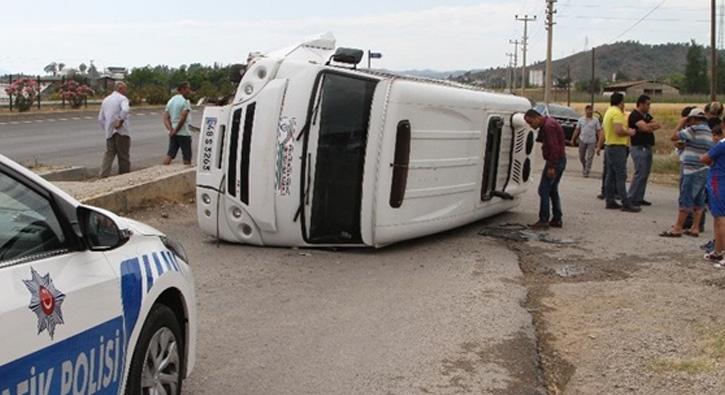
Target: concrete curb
<point>137,189</point>
<point>174,187</point>
<point>75,173</point>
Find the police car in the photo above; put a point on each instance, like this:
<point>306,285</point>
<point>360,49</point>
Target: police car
<point>90,303</point>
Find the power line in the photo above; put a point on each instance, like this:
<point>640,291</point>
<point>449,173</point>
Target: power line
<point>640,20</point>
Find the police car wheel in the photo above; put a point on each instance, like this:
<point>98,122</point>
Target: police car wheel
<point>156,367</point>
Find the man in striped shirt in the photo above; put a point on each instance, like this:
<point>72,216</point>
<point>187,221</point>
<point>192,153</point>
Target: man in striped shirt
<point>697,139</point>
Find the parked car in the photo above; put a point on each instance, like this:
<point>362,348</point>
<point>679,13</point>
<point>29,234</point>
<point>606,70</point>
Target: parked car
<point>90,302</point>
<point>566,116</point>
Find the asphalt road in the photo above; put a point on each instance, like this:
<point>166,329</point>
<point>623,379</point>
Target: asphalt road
<point>75,139</point>
<point>441,315</point>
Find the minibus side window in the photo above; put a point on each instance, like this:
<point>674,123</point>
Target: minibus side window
<point>400,164</point>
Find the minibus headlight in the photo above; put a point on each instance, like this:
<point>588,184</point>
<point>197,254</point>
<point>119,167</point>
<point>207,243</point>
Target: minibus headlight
<point>237,212</point>
<point>205,198</point>
<point>248,89</point>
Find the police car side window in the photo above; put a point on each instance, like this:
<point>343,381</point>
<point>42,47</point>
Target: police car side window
<point>29,227</point>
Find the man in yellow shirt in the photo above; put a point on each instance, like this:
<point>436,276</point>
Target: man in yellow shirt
<point>616,142</point>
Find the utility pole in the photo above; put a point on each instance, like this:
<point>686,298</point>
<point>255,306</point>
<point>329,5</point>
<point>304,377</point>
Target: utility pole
<point>713,52</point>
<point>568,85</point>
<point>524,44</point>
<point>510,73</point>
<point>516,62</point>
<point>591,82</point>
<point>549,42</point>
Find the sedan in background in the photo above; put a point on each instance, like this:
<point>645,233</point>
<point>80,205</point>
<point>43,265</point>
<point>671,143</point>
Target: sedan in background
<point>566,116</point>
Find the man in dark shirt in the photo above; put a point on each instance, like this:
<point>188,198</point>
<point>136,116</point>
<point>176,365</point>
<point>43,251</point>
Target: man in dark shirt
<point>641,149</point>
<point>554,150</point>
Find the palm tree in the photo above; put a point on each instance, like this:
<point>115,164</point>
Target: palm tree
<point>60,66</point>
<point>83,68</point>
<point>51,68</point>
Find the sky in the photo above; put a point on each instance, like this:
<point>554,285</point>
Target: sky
<point>411,34</point>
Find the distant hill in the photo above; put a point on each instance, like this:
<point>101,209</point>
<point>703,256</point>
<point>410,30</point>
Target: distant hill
<point>631,60</point>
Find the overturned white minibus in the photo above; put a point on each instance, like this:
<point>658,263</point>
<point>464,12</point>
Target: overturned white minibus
<point>313,154</point>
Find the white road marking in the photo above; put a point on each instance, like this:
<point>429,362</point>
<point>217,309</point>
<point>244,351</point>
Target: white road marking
<point>14,123</point>
<point>76,118</point>
<point>153,113</point>
<point>62,119</point>
<point>87,117</point>
<point>3,123</point>
<point>39,121</point>
<point>51,119</point>
<point>140,113</point>
<point>27,122</point>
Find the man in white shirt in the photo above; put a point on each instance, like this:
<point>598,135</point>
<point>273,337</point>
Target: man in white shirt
<point>113,119</point>
<point>588,129</point>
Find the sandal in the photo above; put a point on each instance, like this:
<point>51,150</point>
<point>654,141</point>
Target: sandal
<point>691,234</point>
<point>715,257</point>
<point>669,233</point>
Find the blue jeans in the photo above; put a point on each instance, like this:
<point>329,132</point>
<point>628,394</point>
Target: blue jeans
<point>549,193</point>
<point>642,158</point>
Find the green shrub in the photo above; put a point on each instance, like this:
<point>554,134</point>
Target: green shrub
<point>156,95</point>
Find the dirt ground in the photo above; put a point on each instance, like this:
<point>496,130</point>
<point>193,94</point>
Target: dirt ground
<point>622,310</point>
<point>613,308</point>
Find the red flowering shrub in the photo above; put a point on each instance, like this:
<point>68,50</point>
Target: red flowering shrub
<point>24,91</point>
<point>75,93</point>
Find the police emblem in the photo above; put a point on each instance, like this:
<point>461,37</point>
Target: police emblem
<point>45,301</point>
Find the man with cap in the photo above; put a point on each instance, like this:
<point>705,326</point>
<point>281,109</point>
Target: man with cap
<point>696,139</point>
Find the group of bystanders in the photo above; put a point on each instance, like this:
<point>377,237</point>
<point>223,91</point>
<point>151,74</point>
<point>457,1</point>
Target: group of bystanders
<point>697,138</point>
<point>113,119</point>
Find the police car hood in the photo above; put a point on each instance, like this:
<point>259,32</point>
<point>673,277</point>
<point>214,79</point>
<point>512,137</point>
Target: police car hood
<point>139,228</point>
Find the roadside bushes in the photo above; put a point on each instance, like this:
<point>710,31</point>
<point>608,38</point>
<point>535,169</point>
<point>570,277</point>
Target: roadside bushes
<point>75,93</point>
<point>24,92</point>
<point>156,95</point>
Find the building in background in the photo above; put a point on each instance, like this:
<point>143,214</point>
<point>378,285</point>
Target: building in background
<point>536,77</point>
<point>642,87</point>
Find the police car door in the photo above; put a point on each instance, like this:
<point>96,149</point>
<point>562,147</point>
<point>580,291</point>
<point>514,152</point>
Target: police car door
<point>60,319</point>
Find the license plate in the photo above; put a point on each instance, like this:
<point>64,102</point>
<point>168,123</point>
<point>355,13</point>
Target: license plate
<point>207,144</point>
